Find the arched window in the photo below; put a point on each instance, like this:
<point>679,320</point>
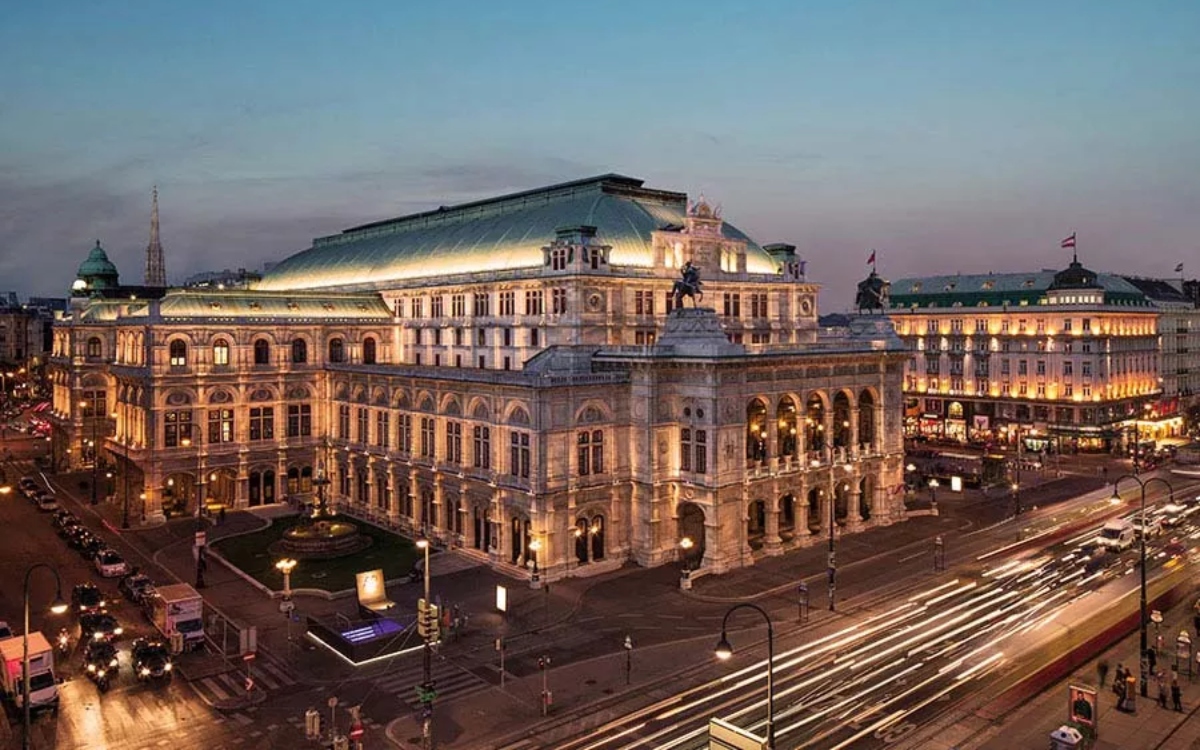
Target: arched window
<point>178,353</point>
<point>337,350</point>
<point>262,352</point>
<point>299,352</point>
<point>95,347</point>
<point>369,351</point>
<point>221,353</point>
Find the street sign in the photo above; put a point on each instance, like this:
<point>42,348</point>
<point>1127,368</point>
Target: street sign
<point>248,656</point>
<point>357,731</point>
<point>249,684</point>
<point>201,538</point>
<point>332,702</point>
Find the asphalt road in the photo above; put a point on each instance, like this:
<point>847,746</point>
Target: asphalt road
<point>901,660</point>
<point>130,715</point>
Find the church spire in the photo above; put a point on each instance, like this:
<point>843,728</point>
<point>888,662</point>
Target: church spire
<point>156,270</point>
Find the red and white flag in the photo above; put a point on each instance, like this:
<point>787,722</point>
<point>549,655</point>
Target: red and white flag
<point>1068,242</point>
<point>871,260</point>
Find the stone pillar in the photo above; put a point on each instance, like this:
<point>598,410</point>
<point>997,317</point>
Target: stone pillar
<point>854,517</point>
<point>853,446</point>
<point>414,492</point>
<point>438,506</point>
<point>772,543</point>
<point>395,485</point>
<point>241,492</point>
<point>495,516</point>
<point>801,506</point>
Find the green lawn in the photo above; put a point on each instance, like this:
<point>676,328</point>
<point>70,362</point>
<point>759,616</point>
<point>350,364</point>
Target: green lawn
<point>249,552</point>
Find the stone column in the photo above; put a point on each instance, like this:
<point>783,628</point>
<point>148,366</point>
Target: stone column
<point>495,517</point>
<point>438,507</point>
<point>772,543</point>
<point>853,431</point>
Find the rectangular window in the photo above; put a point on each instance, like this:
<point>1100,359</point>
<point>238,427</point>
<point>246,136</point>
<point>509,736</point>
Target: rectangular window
<point>758,305</point>
<point>178,428</point>
<point>591,452</point>
<point>220,426</point>
<point>481,448</point>
<point>508,304</point>
<point>262,423</point>
<point>299,420</point>
<point>643,303</point>
<point>519,455</point>
<point>383,428</point>
<point>454,442</point>
<point>1023,367</point>
<point>1068,390</point>
<point>981,326</point>
<point>344,421</point>
<point>685,449</point>
<point>1087,324</point>
<point>956,325</point>
<point>436,309</point>
<point>644,338</point>
<point>458,305</point>
<point>1041,367</point>
<point>482,303</point>
<point>398,307</point>
<point>1067,325</point>
<point>362,421</point>
<point>733,305</point>
<point>404,428</point>
<point>558,259</point>
<point>534,337</point>
<point>533,302</point>
<point>427,437</point>
<point>701,452</point>
<point>558,301</point>
<point>1086,369</point>
<point>418,308</point>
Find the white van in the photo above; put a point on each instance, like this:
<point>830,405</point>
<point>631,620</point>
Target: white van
<point>1117,535</point>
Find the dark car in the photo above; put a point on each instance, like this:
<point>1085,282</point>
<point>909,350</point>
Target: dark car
<point>135,587</point>
<point>98,626</point>
<point>100,660</point>
<point>86,597</point>
<point>92,548</point>
<point>151,659</point>
<point>78,537</point>
<point>63,517</point>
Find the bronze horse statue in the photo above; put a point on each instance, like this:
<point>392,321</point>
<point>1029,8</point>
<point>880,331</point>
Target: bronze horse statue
<point>874,293</point>
<point>688,286</point>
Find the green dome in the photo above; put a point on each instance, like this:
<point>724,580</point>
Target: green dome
<point>98,271</point>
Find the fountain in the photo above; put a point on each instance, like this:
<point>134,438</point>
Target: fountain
<point>323,536</point>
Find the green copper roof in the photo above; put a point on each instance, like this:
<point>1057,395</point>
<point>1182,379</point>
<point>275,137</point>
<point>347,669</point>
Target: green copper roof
<point>98,270</point>
<point>254,304</point>
<point>497,234</point>
<point>998,289</point>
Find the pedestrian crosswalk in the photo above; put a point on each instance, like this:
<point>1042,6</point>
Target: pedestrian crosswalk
<point>266,674</point>
<point>450,681</point>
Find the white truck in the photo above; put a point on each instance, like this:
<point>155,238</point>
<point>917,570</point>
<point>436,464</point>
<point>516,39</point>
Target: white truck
<point>43,688</point>
<point>177,610</point>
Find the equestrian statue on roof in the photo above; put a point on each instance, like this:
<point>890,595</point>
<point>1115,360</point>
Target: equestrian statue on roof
<point>688,286</point>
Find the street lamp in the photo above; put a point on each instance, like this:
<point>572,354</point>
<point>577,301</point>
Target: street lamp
<point>832,552</point>
<point>534,546</point>
<point>724,650</point>
<point>1016,491</point>
<point>933,485</point>
<point>1116,498</point>
<point>686,545</point>
<point>58,606</point>
<point>200,547</point>
<point>285,566</point>
<point>427,653</point>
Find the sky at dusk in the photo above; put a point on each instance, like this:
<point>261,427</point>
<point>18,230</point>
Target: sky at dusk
<point>950,136</point>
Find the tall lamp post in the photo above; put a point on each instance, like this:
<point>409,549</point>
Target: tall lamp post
<point>83,408</point>
<point>724,650</point>
<point>832,551</point>
<point>200,555</point>
<point>933,485</point>
<point>58,606</point>
<point>536,579</point>
<point>427,655</point>
<point>1016,491</point>
<point>1143,616</point>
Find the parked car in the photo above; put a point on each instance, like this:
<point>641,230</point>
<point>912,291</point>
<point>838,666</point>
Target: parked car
<point>71,529</point>
<point>151,659</point>
<point>92,548</point>
<point>136,587</point>
<point>5,630</point>
<point>1173,514</point>
<point>78,537</point>
<point>110,563</point>
<point>95,626</point>
<point>47,502</point>
<point>62,517</point>
<point>86,597</point>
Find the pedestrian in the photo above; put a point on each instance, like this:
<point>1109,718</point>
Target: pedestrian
<point>1130,692</point>
<point>1162,689</point>
<point>221,515</point>
<point>1119,679</point>
<point>1176,694</point>
<point>1102,672</point>
<point>1151,658</point>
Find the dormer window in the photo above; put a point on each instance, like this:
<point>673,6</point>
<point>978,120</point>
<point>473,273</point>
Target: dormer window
<point>916,287</point>
<point>989,284</point>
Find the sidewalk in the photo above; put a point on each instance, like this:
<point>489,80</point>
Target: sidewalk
<point>1148,728</point>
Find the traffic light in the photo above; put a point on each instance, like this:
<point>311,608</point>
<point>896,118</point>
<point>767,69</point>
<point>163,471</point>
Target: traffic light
<point>422,618</point>
<point>433,622</point>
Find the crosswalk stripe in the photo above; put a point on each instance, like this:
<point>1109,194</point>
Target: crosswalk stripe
<point>213,687</point>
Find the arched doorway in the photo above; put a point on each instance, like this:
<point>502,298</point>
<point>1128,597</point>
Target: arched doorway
<point>814,510</point>
<point>179,495</point>
<point>691,527</point>
<point>841,502</point>
<point>814,423</point>
<point>756,523</point>
<point>520,537</point>
<point>841,420</point>
<point>787,517</point>
<point>581,532</point>
<point>865,493</point>
<point>221,488</point>
<point>596,532</point>
<point>788,437</point>
<point>483,529</point>
<point>866,418</point>
<point>756,432</point>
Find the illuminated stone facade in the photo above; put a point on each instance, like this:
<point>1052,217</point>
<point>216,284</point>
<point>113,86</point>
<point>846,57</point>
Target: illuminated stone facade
<point>551,405</point>
<point>1066,360</point>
